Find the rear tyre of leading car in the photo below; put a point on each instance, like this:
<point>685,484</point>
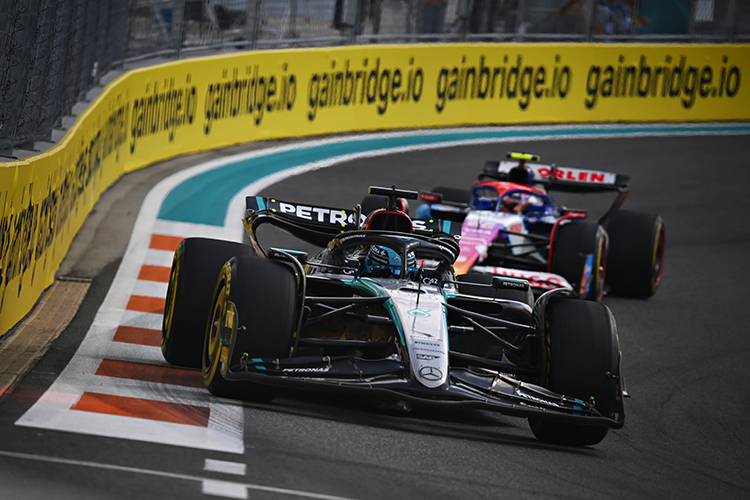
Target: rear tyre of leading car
<point>636,253</point>
<point>373,202</point>
<point>195,265</point>
<point>454,194</point>
<point>579,254</point>
<point>583,363</point>
<point>253,315</point>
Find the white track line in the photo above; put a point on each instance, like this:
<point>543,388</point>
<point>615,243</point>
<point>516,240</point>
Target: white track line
<point>169,475</point>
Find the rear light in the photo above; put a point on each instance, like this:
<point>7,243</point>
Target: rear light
<point>430,197</point>
<point>574,214</point>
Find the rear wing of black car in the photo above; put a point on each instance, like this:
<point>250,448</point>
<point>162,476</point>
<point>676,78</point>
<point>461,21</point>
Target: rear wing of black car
<point>560,178</point>
<point>318,224</point>
<point>326,219</point>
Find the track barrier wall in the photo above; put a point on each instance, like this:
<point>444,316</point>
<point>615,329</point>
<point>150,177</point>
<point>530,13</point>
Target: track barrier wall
<point>156,113</point>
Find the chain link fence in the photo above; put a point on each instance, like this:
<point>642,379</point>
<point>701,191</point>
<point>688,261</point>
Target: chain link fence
<point>54,51</point>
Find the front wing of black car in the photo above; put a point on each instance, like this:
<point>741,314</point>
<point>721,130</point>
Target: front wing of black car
<point>385,378</point>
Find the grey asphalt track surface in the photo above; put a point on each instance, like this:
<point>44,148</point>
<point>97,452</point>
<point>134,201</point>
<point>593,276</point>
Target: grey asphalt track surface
<point>685,361</point>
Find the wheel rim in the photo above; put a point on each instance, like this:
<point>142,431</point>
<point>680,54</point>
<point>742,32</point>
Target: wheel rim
<point>658,257</point>
<point>598,269</point>
<point>212,351</point>
<point>601,269</point>
<point>169,306</point>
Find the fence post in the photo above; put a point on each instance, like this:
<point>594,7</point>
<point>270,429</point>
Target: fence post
<point>291,25</point>
<point>252,22</point>
<point>178,27</point>
<point>731,21</point>
<point>589,15</point>
<point>464,12</point>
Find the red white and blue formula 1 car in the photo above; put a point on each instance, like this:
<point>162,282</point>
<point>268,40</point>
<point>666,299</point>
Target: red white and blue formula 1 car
<point>512,227</point>
<point>380,312</point>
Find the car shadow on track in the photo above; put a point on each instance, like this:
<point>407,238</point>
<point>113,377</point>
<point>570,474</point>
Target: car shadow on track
<point>456,423</point>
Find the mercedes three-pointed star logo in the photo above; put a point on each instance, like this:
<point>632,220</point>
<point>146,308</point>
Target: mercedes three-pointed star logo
<point>431,373</point>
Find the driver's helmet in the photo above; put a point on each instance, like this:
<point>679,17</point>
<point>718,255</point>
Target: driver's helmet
<point>521,202</point>
<point>383,262</point>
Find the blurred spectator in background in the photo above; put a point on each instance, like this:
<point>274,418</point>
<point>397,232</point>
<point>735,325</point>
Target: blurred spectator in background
<point>434,16</point>
<point>613,17</point>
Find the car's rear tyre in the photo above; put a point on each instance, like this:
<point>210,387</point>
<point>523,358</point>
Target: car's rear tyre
<point>583,361</point>
<point>256,303</point>
<point>579,254</point>
<point>195,265</point>
<point>453,194</point>
<point>636,253</point>
<point>373,202</point>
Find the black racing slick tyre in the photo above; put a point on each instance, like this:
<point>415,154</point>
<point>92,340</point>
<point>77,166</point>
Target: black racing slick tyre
<point>373,202</point>
<point>254,315</point>
<point>636,253</point>
<point>583,362</point>
<point>195,266</point>
<point>579,254</point>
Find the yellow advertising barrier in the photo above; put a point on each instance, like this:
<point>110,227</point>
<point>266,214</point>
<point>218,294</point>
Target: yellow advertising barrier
<point>152,114</point>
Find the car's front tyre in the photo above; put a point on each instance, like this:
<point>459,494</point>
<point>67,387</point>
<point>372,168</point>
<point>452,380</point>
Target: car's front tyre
<point>582,362</point>
<point>195,265</point>
<point>254,315</point>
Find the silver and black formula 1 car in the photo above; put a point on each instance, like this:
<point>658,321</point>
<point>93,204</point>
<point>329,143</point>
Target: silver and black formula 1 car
<point>380,312</point>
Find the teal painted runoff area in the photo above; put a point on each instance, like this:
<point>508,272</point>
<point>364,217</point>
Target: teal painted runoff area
<point>204,198</point>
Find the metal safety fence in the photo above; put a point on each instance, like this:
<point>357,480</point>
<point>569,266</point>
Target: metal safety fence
<point>174,26</point>
<point>53,51</point>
